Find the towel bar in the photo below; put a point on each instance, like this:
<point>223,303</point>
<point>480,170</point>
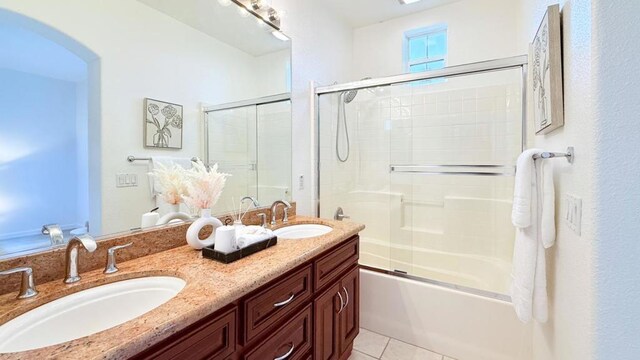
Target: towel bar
<point>569,155</point>
<point>131,158</point>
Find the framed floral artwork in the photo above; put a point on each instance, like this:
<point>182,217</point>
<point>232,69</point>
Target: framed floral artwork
<point>162,124</point>
<point>546,73</point>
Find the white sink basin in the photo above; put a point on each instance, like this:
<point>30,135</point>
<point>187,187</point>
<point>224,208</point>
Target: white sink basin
<point>302,231</point>
<point>87,312</point>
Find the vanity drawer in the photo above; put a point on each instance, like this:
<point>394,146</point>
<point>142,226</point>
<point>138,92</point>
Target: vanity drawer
<point>211,338</point>
<point>294,340</point>
<point>329,267</point>
<point>276,301</point>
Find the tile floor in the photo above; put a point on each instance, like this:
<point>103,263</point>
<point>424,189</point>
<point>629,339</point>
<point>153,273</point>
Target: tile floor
<point>371,346</point>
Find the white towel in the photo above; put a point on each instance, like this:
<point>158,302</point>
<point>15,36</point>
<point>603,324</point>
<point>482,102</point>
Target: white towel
<point>250,235</point>
<point>533,215</point>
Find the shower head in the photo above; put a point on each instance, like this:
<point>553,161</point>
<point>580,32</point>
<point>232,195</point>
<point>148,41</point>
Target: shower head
<point>348,96</point>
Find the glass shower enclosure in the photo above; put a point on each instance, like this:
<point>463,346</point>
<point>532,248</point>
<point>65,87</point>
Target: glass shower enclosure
<point>428,166</point>
<point>251,140</point>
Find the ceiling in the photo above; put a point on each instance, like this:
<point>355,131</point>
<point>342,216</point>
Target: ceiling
<point>223,23</point>
<point>359,13</point>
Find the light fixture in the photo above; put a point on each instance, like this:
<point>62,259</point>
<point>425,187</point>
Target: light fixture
<point>259,4</point>
<point>279,35</point>
<point>273,16</point>
<point>224,2</point>
<point>407,2</point>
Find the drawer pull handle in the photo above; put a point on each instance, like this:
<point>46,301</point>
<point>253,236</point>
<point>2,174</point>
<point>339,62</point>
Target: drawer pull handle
<point>347,294</point>
<point>341,302</point>
<point>285,356</point>
<point>283,303</point>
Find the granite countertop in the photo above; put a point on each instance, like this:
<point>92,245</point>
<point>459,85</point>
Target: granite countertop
<point>210,286</point>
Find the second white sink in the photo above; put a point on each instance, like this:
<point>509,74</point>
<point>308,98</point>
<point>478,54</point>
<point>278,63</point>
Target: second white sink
<point>87,312</point>
<point>302,231</point>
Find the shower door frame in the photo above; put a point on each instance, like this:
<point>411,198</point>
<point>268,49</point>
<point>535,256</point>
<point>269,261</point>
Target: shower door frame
<point>515,62</point>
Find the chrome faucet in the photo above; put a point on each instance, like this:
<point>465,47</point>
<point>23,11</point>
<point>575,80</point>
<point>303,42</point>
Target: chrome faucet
<point>55,233</point>
<point>274,207</point>
<point>255,202</point>
<point>71,266</point>
<point>27,286</point>
<point>111,266</point>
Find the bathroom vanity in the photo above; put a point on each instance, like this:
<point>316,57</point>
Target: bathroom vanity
<point>296,300</point>
<point>309,312</point>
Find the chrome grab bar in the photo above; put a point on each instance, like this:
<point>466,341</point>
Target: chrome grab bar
<point>482,170</point>
<point>285,356</point>
<point>283,303</point>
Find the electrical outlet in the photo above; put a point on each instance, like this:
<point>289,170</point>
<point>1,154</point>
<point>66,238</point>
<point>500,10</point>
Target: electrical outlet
<point>573,212</point>
<point>300,182</point>
<point>126,180</point>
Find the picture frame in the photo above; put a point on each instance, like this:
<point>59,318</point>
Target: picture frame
<point>163,124</point>
<point>545,62</point>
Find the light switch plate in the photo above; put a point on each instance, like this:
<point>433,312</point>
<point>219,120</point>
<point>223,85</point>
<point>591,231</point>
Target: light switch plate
<point>573,212</point>
<point>126,180</point>
<point>300,182</point>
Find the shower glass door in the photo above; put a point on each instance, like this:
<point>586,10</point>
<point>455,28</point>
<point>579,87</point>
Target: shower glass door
<point>231,140</point>
<point>430,174</point>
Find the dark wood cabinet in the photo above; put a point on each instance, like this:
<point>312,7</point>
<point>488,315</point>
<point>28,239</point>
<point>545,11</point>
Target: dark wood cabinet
<point>337,320</point>
<point>211,338</point>
<point>350,315</point>
<point>291,342</point>
<point>309,313</point>
<point>327,322</point>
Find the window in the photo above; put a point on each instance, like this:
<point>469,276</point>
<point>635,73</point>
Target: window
<point>425,49</point>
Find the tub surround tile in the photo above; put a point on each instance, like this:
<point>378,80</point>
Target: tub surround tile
<point>398,350</point>
<point>370,343</point>
<point>48,265</point>
<point>210,287</point>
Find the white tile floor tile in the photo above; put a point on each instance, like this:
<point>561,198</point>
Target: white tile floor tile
<point>397,350</point>
<point>370,343</point>
<point>356,355</point>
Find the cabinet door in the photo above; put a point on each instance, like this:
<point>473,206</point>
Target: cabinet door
<point>350,315</point>
<point>326,308</point>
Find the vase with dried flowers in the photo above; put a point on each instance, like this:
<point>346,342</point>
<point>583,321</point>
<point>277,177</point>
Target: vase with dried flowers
<point>203,189</point>
<point>172,182</point>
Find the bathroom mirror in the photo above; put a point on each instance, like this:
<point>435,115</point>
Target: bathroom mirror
<point>79,80</point>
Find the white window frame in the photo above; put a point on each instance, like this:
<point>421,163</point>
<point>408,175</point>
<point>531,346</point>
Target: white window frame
<point>429,30</point>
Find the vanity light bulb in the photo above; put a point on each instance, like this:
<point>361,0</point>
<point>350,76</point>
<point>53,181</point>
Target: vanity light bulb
<point>279,35</point>
<point>224,2</point>
<point>258,4</point>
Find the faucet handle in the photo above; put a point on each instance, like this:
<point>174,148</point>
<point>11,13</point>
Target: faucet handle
<point>111,267</point>
<point>27,286</point>
<point>263,217</point>
<point>285,219</point>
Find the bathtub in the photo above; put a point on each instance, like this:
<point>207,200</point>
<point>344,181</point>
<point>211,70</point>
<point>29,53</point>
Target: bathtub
<point>456,323</point>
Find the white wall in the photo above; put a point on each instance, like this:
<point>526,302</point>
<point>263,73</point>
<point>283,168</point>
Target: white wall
<point>616,156</point>
<point>476,30</point>
<point>321,52</point>
<point>142,53</point>
<point>570,263</point>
